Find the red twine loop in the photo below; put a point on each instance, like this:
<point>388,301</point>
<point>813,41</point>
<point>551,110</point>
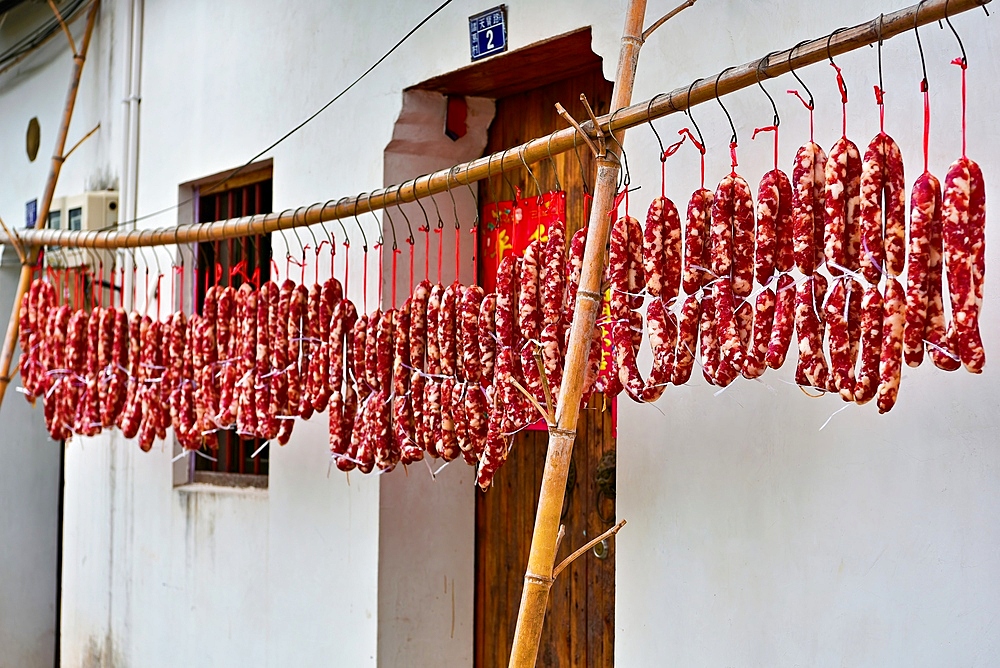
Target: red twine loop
<point>701,149</point>
<point>395,253</point>
<point>880,101</point>
<point>927,119</point>
<point>669,151</point>
<point>732,155</point>
<point>769,128</point>
<point>617,201</point>
<point>964,65</point>
<point>808,105</point>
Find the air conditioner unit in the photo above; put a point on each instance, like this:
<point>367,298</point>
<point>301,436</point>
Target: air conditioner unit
<point>89,211</point>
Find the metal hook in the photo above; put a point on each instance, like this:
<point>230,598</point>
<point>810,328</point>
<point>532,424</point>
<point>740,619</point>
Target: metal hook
<point>763,62</point>
<point>840,77</point>
<point>718,99</point>
<point>520,154</point>
<point>475,199</point>
<point>923,64</point>
<point>340,221</point>
<point>503,175</point>
<point>427,221</point>
<point>947,19</point>
<point>555,169</point>
<point>364,237</point>
<point>399,206</point>
<point>440,222</point>
<point>392,224</point>
<point>649,119</point>
<point>329,237</point>
<point>378,222</point>
<point>627,175</point>
<point>583,172</point>
<point>791,52</point>
<point>881,19</point>
<point>687,112</point>
<point>454,206</point>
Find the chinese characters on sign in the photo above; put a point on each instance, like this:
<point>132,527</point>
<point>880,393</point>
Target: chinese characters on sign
<point>488,32</point>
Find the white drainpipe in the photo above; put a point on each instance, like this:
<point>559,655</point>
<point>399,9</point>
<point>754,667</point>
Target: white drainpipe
<point>132,52</point>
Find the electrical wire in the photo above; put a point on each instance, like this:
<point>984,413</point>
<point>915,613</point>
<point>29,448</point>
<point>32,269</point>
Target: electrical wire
<point>303,123</point>
<point>39,36</point>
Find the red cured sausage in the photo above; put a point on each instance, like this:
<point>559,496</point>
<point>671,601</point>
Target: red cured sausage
<point>882,178</point>
<point>768,207</point>
<point>383,350</point>
<point>359,345</point>
<point>372,366</point>
<point>964,243</point>
<point>687,340</point>
<point>448,343</point>
<point>871,346</point>
<point>477,413</point>
<point>941,339</point>
<point>574,270</point>
<point>433,361</point>
<point>841,367</point>
<point>663,344</point>
<point>471,304</point>
<point>720,249</point>
<point>812,368</point>
<point>487,336</point>
<point>552,280</point>
<point>267,302</point>
<point>808,179</point>
<point>709,345</point>
<point>891,361</point>
<point>661,249</point>
<point>727,338</point>
<point>784,322</point>
<point>528,315</point>
<point>447,446</point>
<point>297,351</point>
<point>341,418</point>
<point>418,324</point>
<point>754,363</point>
<point>925,215</point>
<point>842,231</point>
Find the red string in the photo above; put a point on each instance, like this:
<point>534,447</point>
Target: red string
<point>732,154</point>
<point>319,248</point>
<point>159,293</point>
<point>458,247</point>
<point>364,284</point>
<point>381,272</point>
<point>475,248</point>
<point>440,238</point>
<point>843,95</point>
<point>100,285</point>
<point>333,255</point>
<point>701,149</point>
<point>769,128</point>
<point>194,289</point>
<point>347,265</point>
<point>411,267</point>
<point>880,101</point>
<point>964,65</point>
<point>427,252</point>
<point>927,118</point>
<point>588,199</point>
<point>618,200</point>
<point>807,105</point>
<point>145,293</point>
<point>180,271</point>
<point>395,253</point>
<point>669,151</point>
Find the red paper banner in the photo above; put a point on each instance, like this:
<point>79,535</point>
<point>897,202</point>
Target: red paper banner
<point>509,227</point>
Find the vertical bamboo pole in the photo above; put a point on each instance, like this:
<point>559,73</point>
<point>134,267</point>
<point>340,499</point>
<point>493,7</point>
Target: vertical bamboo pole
<point>541,560</point>
<point>7,355</point>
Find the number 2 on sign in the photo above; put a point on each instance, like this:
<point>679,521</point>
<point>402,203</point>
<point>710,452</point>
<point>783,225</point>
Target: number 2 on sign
<point>489,38</point>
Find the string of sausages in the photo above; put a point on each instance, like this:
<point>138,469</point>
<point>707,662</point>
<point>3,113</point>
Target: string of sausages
<point>841,224</point>
<point>438,376</point>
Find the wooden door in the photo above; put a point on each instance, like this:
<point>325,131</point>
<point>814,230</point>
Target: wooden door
<point>579,627</point>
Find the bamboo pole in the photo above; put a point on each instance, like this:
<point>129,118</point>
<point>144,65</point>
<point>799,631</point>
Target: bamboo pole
<point>10,342</point>
<point>538,576</point>
<point>536,150</point>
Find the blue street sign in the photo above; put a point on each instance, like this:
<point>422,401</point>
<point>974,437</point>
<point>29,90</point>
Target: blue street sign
<point>488,32</point>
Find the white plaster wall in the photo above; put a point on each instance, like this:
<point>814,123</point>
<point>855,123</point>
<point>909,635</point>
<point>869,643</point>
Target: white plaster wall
<point>754,538</point>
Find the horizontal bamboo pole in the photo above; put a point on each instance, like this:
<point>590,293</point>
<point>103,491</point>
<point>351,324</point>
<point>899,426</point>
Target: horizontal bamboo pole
<point>732,79</point>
